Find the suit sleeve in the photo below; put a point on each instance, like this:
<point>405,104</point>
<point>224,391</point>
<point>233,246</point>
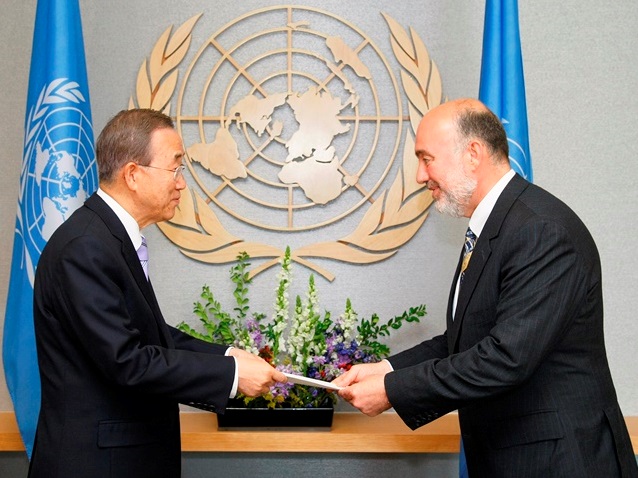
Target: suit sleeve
<point>108,316</point>
<point>184,341</point>
<point>434,348</point>
<point>527,296</point>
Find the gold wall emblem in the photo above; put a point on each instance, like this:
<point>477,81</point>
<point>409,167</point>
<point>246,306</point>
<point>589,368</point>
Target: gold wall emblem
<point>292,119</point>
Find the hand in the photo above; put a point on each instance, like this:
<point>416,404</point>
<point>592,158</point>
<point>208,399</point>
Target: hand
<point>367,394</point>
<point>361,371</point>
<point>235,352</point>
<point>256,376</point>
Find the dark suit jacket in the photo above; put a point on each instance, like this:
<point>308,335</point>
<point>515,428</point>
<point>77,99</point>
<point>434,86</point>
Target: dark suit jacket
<point>524,359</point>
<point>112,370</point>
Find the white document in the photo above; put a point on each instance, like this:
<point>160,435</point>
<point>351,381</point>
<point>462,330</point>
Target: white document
<point>310,382</point>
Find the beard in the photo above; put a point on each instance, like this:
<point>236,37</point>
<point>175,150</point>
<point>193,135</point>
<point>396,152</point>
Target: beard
<point>455,198</point>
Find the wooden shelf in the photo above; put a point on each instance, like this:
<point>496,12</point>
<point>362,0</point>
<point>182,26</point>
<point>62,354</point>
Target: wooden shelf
<point>350,433</point>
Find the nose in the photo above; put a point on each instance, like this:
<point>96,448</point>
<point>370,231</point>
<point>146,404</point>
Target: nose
<point>181,182</point>
<point>422,175</point>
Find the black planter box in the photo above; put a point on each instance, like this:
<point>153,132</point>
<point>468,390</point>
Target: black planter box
<point>238,417</point>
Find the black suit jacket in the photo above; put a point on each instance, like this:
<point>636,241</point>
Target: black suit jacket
<point>524,358</point>
<point>112,370</point>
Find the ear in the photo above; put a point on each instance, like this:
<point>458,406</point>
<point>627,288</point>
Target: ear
<point>476,151</point>
<point>131,173</point>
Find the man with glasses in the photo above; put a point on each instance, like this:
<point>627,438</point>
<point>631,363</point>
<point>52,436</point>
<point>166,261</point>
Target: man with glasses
<point>112,370</point>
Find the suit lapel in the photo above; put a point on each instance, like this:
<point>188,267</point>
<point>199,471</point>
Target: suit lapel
<point>480,256</point>
<point>452,330</point>
<point>97,204</point>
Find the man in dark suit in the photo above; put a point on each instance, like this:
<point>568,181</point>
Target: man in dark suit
<point>112,370</point>
<point>523,357</point>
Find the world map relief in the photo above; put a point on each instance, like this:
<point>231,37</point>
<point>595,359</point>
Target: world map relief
<point>311,162</point>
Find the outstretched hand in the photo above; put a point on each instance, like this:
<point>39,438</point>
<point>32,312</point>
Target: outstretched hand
<point>368,395</point>
<point>365,387</point>
<point>361,371</point>
<point>256,376</point>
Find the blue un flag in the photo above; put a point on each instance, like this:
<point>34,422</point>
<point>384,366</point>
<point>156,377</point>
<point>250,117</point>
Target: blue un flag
<point>58,173</point>
<point>502,86</point>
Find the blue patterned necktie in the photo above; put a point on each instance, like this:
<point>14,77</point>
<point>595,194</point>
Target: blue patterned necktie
<point>468,247</point>
<point>142,253</point>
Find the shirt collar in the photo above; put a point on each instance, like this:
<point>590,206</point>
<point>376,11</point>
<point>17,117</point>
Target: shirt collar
<point>484,209</point>
<point>130,224</point>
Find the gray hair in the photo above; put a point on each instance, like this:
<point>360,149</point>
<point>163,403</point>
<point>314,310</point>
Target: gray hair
<point>125,138</point>
<point>484,125</point>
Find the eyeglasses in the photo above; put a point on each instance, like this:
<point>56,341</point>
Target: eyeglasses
<point>178,172</point>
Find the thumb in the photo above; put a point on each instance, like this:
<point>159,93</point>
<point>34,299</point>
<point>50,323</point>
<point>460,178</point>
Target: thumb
<point>345,379</point>
<point>278,376</point>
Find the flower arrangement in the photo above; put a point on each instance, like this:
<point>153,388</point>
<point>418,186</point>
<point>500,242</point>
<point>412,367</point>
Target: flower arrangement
<point>306,343</point>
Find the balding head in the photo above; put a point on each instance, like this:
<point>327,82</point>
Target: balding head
<point>462,150</point>
<point>470,120</point>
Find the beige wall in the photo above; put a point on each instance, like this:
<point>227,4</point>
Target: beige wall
<point>582,80</point>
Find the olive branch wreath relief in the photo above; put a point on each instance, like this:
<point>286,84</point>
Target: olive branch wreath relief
<point>391,220</point>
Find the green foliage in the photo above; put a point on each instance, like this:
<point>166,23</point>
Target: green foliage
<point>304,342</point>
<point>240,278</point>
<point>370,330</point>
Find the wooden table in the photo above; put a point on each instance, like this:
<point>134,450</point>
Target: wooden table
<point>350,433</point>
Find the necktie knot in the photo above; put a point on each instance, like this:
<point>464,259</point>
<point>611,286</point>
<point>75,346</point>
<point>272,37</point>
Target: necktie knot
<point>468,247</point>
<point>142,254</point>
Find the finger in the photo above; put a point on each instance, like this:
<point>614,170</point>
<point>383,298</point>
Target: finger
<point>264,389</point>
<point>344,380</point>
<point>339,381</point>
<point>346,394</point>
<point>279,377</point>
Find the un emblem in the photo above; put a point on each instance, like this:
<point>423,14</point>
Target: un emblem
<point>59,162</point>
<point>292,119</point>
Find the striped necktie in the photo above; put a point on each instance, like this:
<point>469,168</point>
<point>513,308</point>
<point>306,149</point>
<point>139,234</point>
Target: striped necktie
<point>468,247</point>
<point>142,253</point>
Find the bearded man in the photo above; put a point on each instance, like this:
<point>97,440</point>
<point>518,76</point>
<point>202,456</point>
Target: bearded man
<point>523,358</point>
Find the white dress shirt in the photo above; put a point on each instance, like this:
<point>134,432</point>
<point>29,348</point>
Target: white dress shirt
<point>481,214</point>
